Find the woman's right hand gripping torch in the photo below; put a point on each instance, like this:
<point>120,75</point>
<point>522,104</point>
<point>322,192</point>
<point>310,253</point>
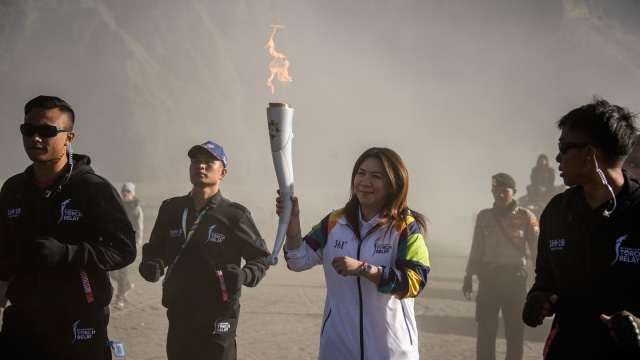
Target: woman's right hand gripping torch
<point>280,118</point>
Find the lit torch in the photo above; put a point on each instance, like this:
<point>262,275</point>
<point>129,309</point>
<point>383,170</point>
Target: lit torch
<point>279,120</point>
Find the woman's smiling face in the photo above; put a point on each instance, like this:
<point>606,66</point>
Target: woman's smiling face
<point>371,186</point>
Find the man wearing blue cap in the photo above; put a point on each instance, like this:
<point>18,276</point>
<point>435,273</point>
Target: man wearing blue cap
<point>198,243</point>
<point>498,258</point>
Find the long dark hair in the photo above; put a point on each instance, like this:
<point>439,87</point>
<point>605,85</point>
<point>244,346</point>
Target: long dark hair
<point>395,208</point>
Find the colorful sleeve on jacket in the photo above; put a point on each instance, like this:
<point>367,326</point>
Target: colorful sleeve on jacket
<point>317,238</point>
<point>409,277</point>
<point>314,241</point>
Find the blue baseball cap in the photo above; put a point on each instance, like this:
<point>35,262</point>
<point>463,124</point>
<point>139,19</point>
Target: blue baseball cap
<point>212,148</point>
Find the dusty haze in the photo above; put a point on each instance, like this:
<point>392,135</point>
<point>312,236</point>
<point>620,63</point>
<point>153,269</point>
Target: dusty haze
<point>461,90</point>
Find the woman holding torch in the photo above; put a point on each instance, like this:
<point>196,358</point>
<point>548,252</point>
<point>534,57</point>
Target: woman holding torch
<point>375,262</point>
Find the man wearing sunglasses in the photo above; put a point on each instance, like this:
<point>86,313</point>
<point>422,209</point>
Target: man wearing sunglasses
<point>632,162</point>
<point>62,228</point>
<point>588,263</point>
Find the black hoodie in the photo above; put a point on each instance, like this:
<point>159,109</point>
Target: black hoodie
<point>592,262</point>
<point>84,211</point>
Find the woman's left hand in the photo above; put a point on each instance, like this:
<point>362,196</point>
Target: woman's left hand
<point>346,266</point>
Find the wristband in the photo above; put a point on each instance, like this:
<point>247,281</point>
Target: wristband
<point>366,267</point>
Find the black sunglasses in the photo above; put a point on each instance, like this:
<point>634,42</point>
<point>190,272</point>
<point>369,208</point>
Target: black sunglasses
<point>633,163</point>
<point>45,131</point>
<point>563,147</point>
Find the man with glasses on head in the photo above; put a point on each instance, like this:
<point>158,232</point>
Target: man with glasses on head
<point>588,264</point>
<point>62,228</point>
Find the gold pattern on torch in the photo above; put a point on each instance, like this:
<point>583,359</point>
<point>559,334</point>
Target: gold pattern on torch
<point>279,105</point>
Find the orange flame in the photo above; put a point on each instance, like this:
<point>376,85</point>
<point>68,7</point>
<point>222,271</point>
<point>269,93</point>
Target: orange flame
<point>280,65</point>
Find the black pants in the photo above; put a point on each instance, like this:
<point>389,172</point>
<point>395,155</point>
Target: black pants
<point>500,288</point>
<point>29,334</point>
<point>200,335</point>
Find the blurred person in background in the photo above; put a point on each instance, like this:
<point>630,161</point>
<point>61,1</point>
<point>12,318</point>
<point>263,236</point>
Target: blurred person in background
<point>499,258</point>
<point>632,162</point>
<point>134,212</point>
<point>202,238</point>
<point>588,263</point>
<point>375,262</point>
<point>63,228</point>
<point>542,179</point>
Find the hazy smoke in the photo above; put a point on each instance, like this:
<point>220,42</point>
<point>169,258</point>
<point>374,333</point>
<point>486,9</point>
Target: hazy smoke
<point>461,90</point>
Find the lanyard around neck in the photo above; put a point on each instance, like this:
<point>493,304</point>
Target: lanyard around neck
<point>188,236</point>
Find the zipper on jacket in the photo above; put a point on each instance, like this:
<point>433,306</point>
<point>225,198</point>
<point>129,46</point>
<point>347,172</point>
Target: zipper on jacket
<point>358,278</point>
<point>324,323</point>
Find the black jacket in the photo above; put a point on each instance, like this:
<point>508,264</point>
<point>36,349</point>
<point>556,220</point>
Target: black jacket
<point>81,209</point>
<point>226,235</point>
<point>593,264</point>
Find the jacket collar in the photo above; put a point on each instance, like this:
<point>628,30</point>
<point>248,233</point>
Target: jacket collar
<point>212,202</point>
<point>628,196</point>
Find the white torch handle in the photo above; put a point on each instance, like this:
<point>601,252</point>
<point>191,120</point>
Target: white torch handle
<point>280,131</point>
<point>286,191</point>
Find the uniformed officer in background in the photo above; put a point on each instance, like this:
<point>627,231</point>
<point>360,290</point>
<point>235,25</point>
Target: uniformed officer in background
<point>498,258</point>
<point>200,239</point>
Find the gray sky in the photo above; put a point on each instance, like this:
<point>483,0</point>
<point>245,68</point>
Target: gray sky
<point>460,89</point>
